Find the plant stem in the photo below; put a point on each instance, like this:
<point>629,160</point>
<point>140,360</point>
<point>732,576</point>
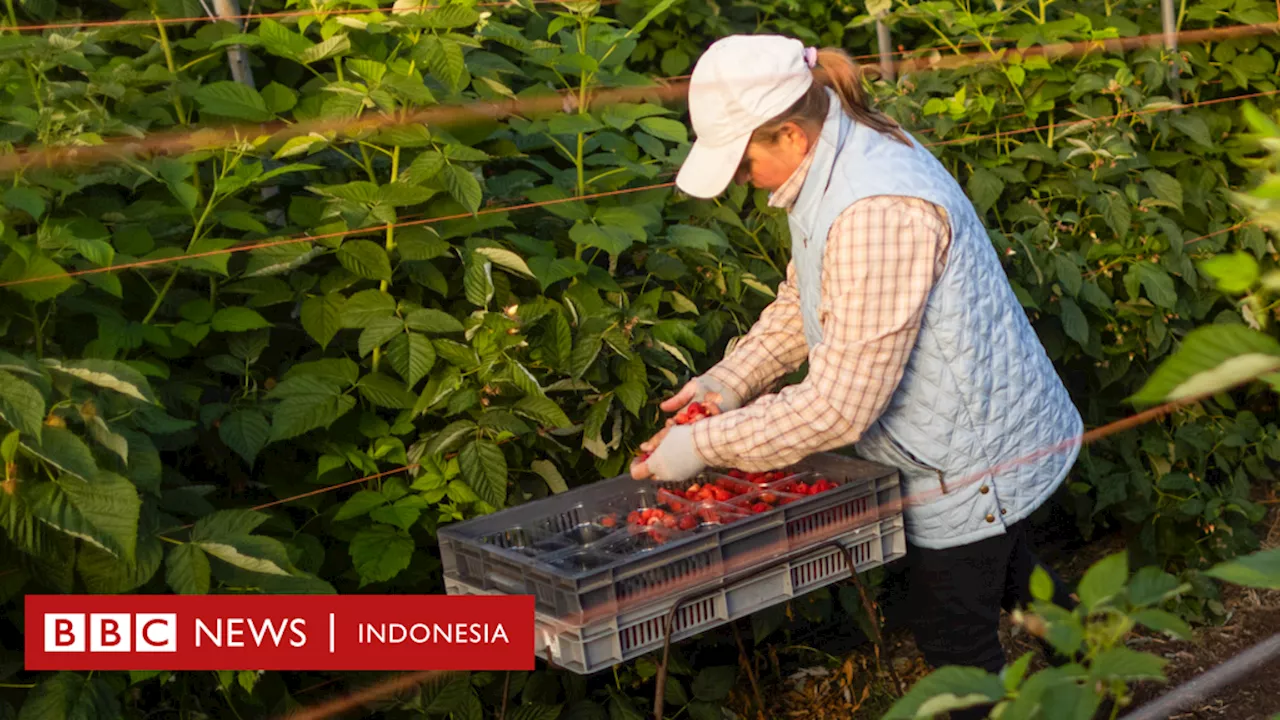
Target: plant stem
<point>168,59</point>
<point>390,243</point>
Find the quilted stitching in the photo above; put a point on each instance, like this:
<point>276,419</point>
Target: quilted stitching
<point>979,389</point>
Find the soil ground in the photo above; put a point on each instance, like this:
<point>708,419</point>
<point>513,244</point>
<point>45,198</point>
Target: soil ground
<point>854,685</point>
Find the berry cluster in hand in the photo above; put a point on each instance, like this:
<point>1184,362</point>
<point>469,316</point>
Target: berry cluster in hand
<point>691,414</point>
<point>694,412</point>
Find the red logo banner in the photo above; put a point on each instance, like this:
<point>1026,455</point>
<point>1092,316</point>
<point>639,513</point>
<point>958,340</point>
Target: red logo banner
<point>279,632</point>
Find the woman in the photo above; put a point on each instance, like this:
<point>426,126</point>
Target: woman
<point>919,354</point>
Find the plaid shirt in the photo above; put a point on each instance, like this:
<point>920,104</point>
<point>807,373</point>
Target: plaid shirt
<point>882,257</point>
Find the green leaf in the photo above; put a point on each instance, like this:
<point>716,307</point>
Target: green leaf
<point>233,100</point>
<point>984,188</point>
<point>948,688</point>
<point>444,59</point>
<point>187,570</point>
<point>1212,359</point>
<point>298,415</point>
<point>1158,284</point>
<point>506,259</point>
<point>110,374</point>
<point>1151,585</point>
<point>377,332</point>
<point>278,98</point>
<point>1194,127</point>
<point>1117,214</point>
<point>70,696</point>
<point>696,238</point>
<point>366,259</point>
<point>477,282</point>
<point>535,712</point>
<point>1164,187</point>
<point>108,438</point>
<point>547,470</point>
<point>632,395</point>
<point>280,40</point>
<point>365,307</point>
<point>1257,570</point>
<point>254,553</point>
<point>463,186</point>
<point>360,504</point>
<point>665,129</point>
<point>64,450</point>
<point>52,279</point>
<point>450,437</point>
<point>238,319</point>
<point>1074,323</point>
<point>103,573</point>
<point>103,512</point>
<point>1233,273</point>
<point>21,405</point>
<point>431,320</point>
<point>227,523</point>
<point>485,469</point>
<point>1068,274</point>
<point>1103,580</point>
<point>384,391</point>
<point>340,371</point>
<point>381,552</point>
<point>1162,621</point>
<point>246,432</point>
<point>322,317</point>
<point>1041,585</point>
<point>411,356</point>
<point>25,199</point>
<point>1121,663</point>
<point>400,194</point>
<point>612,240</point>
<point>333,47</point>
<point>402,515</point>
<point>542,409</point>
<point>583,355</point>
<point>714,683</point>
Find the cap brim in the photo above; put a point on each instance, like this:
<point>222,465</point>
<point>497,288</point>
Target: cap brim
<point>708,169</point>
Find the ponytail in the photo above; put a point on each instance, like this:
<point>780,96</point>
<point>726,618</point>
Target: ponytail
<point>838,72</point>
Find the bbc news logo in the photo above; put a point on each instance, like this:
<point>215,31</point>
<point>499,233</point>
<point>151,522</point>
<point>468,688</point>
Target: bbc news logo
<point>111,632</point>
<point>279,632</point>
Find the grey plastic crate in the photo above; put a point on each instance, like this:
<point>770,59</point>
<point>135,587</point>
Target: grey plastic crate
<point>532,549</point>
<point>586,649</point>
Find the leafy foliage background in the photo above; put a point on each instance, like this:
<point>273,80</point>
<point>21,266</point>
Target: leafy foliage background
<point>511,355</point>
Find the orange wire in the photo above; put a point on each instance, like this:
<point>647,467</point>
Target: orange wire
<point>71,24</point>
<point>187,140</point>
<point>525,206</point>
<point>1118,116</point>
<point>327,236</point>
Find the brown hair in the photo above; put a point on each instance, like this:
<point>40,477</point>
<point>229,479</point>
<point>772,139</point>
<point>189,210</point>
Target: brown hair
<point>837,71</point>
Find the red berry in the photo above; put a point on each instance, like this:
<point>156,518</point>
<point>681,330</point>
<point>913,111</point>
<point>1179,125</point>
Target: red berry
<point>688,522</point>
<point>737,474</point>
<point>634,518</point>
<point>768,497</point>
<point>721,494</point>
<point>759,508</point>
<point>609,521</point>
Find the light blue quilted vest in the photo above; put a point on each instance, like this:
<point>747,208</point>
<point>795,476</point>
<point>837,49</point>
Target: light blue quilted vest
<point>979,390</point>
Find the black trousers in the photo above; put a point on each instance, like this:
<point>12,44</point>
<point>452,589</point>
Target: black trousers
<point>954,597</point>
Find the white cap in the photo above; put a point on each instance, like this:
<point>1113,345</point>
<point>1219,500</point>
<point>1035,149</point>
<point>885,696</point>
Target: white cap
<point>740,83</point>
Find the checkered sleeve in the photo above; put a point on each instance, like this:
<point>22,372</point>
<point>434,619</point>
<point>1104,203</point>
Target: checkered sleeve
<point>773,347</point>
<point>882,258</point>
